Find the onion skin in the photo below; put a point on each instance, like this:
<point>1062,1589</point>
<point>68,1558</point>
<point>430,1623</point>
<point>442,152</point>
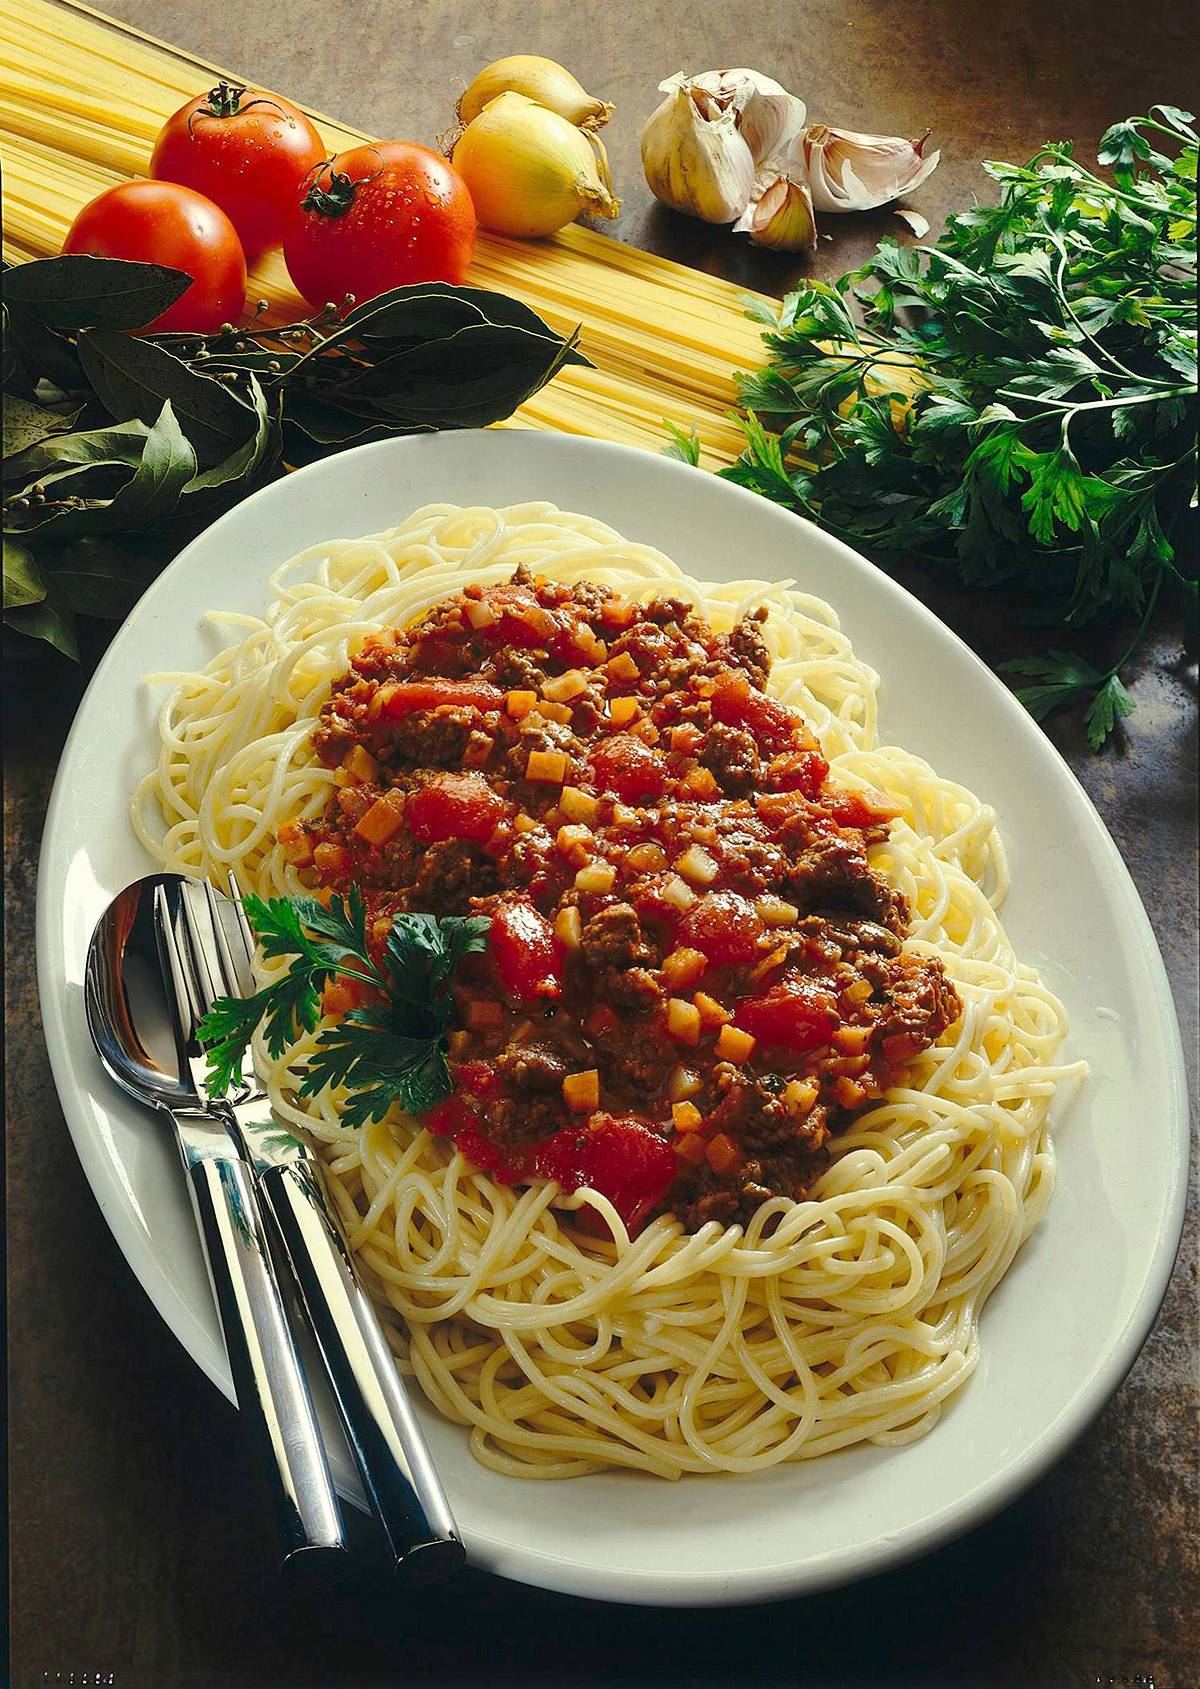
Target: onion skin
<point>538,79</point>
<point>529,171</point>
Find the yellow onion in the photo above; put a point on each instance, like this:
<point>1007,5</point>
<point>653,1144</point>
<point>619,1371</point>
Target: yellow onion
<point>529,171</point>
<point>538,79</point>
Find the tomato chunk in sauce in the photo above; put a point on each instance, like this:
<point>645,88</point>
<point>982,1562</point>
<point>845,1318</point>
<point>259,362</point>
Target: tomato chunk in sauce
<point>694,977</point>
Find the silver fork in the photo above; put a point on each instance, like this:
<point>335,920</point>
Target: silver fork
<point>381,1428</point>
<point>268,1377</point>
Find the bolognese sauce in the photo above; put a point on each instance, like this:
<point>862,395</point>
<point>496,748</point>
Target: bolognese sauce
<point>693,977</point>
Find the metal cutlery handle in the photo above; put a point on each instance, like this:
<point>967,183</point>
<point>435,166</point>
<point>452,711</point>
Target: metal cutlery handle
<point>380,1424</point>
<point>272,1392</point>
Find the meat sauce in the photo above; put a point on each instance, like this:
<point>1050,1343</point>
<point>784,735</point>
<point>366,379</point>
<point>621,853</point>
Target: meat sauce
<point>694,977</point>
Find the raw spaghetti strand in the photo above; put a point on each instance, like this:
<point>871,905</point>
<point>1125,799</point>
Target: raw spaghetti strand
<point>850,1316</point>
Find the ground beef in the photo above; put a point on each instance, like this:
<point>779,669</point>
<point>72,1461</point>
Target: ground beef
<point>514,671</point>
<point>732,755</point>
<point>533,1067</point>
<point>747,647</point>
<point>921,1001</point>
<point>834,873</point>
<point>433,738</point>
<point>620,957</point>
<point>524,1119</point>
<point>452,871</point>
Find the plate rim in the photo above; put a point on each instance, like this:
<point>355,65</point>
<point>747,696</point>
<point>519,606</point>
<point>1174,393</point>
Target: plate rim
<point>530,1565</point>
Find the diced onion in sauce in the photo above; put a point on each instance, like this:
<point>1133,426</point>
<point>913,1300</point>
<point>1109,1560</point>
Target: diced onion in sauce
<point>597,877</point>
<point>568,927</point>
<point>697,865</point>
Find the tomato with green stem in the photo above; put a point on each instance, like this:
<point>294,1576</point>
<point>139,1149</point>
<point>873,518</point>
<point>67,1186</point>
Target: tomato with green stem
<point>248,151</point>
<point>378,217</point>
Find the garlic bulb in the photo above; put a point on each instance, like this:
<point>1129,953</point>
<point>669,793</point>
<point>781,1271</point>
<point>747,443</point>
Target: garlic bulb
<point>767,116</point>
<point>852,172</point>
<point>695,160</point>
<point>701,147</point>
<point>780,215</point>
<point>538,79</point>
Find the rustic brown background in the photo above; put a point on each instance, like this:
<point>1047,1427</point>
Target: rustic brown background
<point>137,1547</point>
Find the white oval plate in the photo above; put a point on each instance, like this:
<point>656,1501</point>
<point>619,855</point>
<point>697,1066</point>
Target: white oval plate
<point>1060,1332</point>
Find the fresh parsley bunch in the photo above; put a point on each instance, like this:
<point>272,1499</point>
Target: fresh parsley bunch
<point>390,1052</point>
<point>1017,400</point>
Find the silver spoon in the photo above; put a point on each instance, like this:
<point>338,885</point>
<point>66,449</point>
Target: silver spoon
<point>124,998</point>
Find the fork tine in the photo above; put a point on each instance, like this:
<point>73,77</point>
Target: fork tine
<point>201,946</point>
<point>176,972</point>
<point>231,985</point>
<point>245,931</point>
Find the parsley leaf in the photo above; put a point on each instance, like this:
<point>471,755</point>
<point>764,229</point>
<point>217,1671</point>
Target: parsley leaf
<point>392,1052</point>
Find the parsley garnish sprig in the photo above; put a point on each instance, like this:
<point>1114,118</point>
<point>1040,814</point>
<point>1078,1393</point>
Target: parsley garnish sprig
<point>1016,401</point>
<point>388,1052</point>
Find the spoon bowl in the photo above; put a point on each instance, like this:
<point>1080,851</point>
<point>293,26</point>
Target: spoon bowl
<point>125,999</point>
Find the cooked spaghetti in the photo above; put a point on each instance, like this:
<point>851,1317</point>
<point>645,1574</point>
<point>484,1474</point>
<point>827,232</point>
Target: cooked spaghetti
<point>822,1302</point>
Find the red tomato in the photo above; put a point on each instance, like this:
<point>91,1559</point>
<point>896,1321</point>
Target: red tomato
<point>248,151</point>
<point>801,771</point>
<point>527,955</point>
<point>623,1159</point>
<point>726,927</point>
<point>163,223</point>
<point>795,1013</point>
<point>454,806</point>
<point>626,766</point>
<point>739,704</point>
<point>412,695</point>
<point>379,217</point>
<point>860,809</point>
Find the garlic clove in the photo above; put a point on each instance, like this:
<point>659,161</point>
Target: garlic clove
<point>848,171</point>
<point>780,215</point>
<point>767,115</point>
<point>693,155</point>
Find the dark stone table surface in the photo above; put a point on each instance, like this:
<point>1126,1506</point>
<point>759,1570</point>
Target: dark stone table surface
<point>137,1555</point>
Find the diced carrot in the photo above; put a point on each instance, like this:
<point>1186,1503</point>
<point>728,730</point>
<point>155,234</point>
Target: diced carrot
<point>622,667</point>
<point>712,1013</point>
<point>623,710</point>
<point>560,689</point>
<point>581,1091</point>
<point>701,783</point>
<point>361,764</point>
<point>683,967</point>
<point>686,1116</point>
<point>691,1148</point>
<point>734,1045</point>
<point>578,805</point>
<point>549,766</point>
<point>331,861</point>
<point>596,878</point>
<point>683,1020</point>
<point>383,820</point>
<point>723,1154</point>
<point>297,846</point>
